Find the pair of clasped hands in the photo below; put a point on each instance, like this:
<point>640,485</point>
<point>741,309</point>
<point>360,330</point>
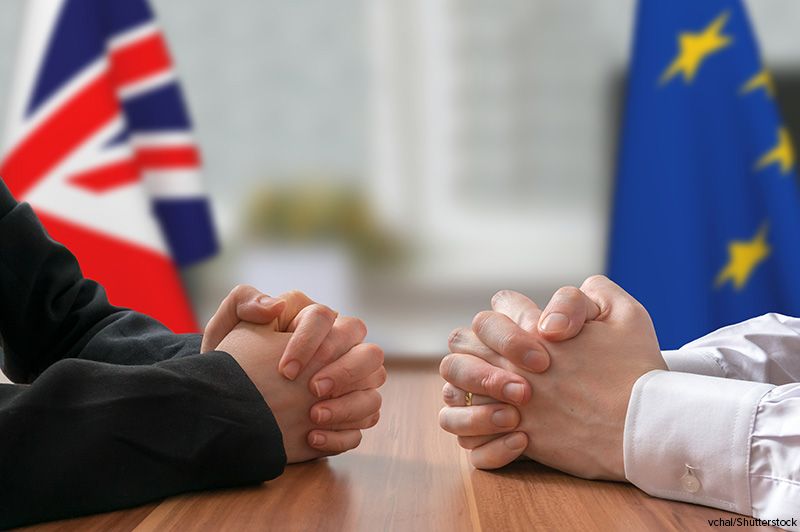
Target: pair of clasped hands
<point>551,385</point>
<point>309,364</point>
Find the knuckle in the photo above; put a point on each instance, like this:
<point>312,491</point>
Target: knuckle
<point>379,377</point>
<point>241,289</point>
<point>492,382</point>
<point>294,294</point>
<point>344,412</point>
<point>319,311</point>
<point>373,420</point>
<point>349,373</point>
<point>457,338</point>
<point>487,382</point>
<point>374,354</point>
<point>446,367</point>
<point>356,440</point>
<point>568,293</point>
<point>480,320</point>
<point>444,418</point>
<point>357,325</point>
<point>325,353</point>
<point>501,296</point>
<point>449,394</point>
<point>509,343</point>
<point>304,345</point>
<point>377,401</point>
<point>466,442</point>
<point>594,280</point>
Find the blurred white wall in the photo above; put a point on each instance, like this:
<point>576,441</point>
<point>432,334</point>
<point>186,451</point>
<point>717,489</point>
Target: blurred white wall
<point>481,133</point>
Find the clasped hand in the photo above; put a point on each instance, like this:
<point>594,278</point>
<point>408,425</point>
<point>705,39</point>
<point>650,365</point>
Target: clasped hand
<point>310,366</point>
<point>550,385</point>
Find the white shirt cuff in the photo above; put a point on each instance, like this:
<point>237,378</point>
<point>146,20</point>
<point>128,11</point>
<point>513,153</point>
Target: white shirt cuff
<point>687,438</point>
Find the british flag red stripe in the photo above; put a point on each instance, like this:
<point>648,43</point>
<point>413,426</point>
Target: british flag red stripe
<point>104,178</point>
<point>140,59</point>
<point>168,157</point>
<point>98,254</point>
<point>59,135</point>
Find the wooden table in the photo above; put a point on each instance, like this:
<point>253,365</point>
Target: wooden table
<point>409,475</point>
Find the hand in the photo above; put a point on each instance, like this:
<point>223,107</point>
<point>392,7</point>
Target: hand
<point>334,342</point>
<point>294,312</point>
<point>257,349</point>
<point>510,328</point>
<point>575,419</point>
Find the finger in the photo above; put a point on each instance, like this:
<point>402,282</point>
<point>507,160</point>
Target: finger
<point>310,327</point>
<point>346,373</point>
<point>521,309</point>
<point>565,314</point>
<point>360,424</point>
<point>500,452</point>
<point>472,442</point>
<point>354,406</point>
<point>479,420</point>
<point>334,442</point>
<point>295,302</point>
<point>346,333</point>
<point>456,397</point>
<point>501,334</point>
<point>374,381</point>
<point>244,303</point>
<point>475,375</point>
<point>611,298</point>
<point>463,340</point>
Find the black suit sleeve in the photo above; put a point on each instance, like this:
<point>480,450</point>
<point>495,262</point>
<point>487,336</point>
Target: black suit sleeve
<point>120,410</point>
<point>48,311</point>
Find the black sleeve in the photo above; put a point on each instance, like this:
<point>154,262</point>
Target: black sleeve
<point>91,437</point>
<point>120,410</point>
<point>49,312</point>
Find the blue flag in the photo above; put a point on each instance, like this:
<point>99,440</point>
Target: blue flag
<point>706,224</point>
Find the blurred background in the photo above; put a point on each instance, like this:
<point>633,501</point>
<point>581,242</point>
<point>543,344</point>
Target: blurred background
<point>402,160</point>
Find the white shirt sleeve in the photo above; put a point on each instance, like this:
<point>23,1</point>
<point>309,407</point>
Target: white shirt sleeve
<point>763,349</point>
<point>729,437</point>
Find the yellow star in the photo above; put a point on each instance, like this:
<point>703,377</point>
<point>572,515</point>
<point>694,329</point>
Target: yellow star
<point>695,47</point>
<point>744,257</point>
<point>762,79</point>
<point>782,153</point>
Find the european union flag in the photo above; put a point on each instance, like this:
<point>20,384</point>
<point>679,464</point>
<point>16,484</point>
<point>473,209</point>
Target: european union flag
<point>706,225</point>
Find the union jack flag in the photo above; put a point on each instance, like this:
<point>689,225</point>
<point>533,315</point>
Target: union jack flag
<point>98,141</point>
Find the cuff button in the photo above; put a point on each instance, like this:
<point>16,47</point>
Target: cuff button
<point>690,483</point>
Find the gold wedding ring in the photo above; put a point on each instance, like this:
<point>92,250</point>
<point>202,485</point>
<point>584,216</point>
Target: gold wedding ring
<point>468,398</point>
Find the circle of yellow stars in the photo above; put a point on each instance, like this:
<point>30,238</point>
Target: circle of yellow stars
<point>694,50</point>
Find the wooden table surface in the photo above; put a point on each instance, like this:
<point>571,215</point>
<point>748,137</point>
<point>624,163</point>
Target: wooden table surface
<point>408,474</point>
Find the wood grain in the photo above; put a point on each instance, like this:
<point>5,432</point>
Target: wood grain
<point>409,475</point>
<point>121,521</point>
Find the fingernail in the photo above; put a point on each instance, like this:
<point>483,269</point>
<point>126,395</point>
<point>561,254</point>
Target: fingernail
<point>555,322</point>
<point>515,442</point>
<point>323,415</point>
<point>533,360</point>
<point>291,370</point>
<point>268,302</point>
<point>319,440</point>
<point>504,418</point>
<point>323,386</point>
<point>514,392</point>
